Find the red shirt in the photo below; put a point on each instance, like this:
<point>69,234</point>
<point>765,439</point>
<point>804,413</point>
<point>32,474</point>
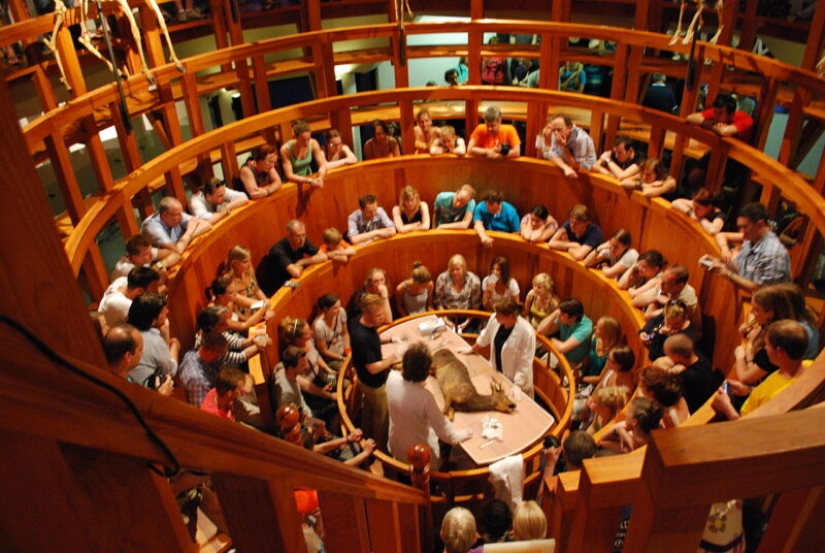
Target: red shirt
<point>210,405</point>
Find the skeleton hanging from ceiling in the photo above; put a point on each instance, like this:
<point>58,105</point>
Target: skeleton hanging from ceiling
<point>696,23</point>
<point>86,37</point>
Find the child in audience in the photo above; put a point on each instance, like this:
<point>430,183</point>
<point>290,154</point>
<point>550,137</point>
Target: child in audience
<point>643,416</point>
<point>415,294</point>
<point>529,522</point>
<point>448,143</point>
<point>336,248</point>
<point>458,530</point>
<point>603,405</point>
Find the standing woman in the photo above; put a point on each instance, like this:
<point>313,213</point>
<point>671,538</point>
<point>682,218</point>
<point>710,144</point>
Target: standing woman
<point>411,213</point>
<point>331,332</point>
<point>338,153</point>
<point>457,288</point>
<point>415,295</point>
<point>499,283</point>
<point>297,156</point>
<point>425,132</point>
<point>318,382</point>
<point>239,264</point>
<point>512,343</point>
<point>541,301</point>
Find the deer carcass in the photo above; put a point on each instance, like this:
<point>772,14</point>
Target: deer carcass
<point>459,392</point>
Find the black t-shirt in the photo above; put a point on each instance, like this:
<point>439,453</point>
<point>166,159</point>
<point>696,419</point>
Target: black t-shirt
<point>271,273</point>
<point>366,349</point>
<point>498,342</point>
<point>698,384</point>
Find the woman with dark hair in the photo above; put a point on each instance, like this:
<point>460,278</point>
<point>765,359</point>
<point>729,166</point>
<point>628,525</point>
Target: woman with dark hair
<point>414,415</point>
<point>658,383</point>
<point>331,332</point>
<point>651,181</point>
<point>512,342</point>
<point>643,278</point>
<point>223,292</point>
<point>499,284</point>
<point>613,257</point>
<point>702,209</point>
<point>538,225</point>
<point>298,154</point>
<point>382,144</point>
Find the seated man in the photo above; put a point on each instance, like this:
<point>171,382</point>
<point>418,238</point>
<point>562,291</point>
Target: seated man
<point>369,222</point>
<point>118,297</point>
<point>382,144</point>
<point>215,201</point>
<point>159,362</point>
<point>697,375</point>
<point>201,366</point>
<point>622,161</point>
<point>259,176</point>
<point>762,260</point>
<point>492,139</point>
<point>141,253</point>
<point>674,286</point>
<point>170,228</point>
<point>287,258</point>
<point>228,388</point>
<point>123,347</point>
<point>577,236</point>
<point>454,210</point>
<point>574,327</point>
<point>785,342</point>
<point>725,120</point>
<point>493,213</point>
<point>571,148</point>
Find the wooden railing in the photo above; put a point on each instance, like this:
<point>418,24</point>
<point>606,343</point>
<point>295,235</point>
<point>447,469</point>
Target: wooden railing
<point>81,119</point>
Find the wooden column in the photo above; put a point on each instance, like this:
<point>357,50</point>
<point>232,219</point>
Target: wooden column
<point>47,301</point>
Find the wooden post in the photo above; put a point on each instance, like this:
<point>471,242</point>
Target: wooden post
<point>419,456</point>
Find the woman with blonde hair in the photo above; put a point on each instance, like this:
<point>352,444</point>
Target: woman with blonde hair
<point>458,288</point>
<point>415,294</point>
<point>239,264</point>
<point>607,334</point>
<point>529,522</point>
<point>425,132</point>
<point>541,301</point>
<point>411,213</point>
<point>604,405</point>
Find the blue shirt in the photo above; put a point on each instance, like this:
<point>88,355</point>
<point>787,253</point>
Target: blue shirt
<point>506,220</point>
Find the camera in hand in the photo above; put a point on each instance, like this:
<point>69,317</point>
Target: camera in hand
<point>505,149</point>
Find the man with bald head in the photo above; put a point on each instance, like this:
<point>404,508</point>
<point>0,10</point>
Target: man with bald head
<point>170,228</point>
<point>123,347</point>
<point>288,258</point>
